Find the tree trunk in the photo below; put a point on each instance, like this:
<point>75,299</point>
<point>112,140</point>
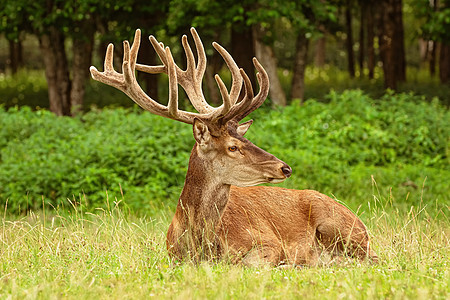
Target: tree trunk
<point>363,18</point>
<point>243,50</point>
<point>432,58</point>
<point>298,79</point>
<point>391,41</point>
<point>82,55</point>
<point>386,41</point>
<point>320,53</point>
<point>15,55</point>
<point>215,63</point>
<point>349,40</point>
<point>399,41</point>
<point>266,56</point>
<point>370,37</point>
<point>444,63</point>
<point>433,45</point>
<point>56,71</point>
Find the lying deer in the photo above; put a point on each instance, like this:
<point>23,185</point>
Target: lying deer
<point>221,211</point>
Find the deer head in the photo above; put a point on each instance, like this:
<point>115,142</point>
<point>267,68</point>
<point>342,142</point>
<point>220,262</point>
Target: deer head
<point>220,145</point>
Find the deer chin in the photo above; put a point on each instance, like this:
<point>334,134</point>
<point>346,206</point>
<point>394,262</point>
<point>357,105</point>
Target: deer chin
<point>247,183</point>
<point>275,180</point>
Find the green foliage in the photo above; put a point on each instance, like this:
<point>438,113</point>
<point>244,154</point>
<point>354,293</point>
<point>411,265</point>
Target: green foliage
<point>214,15</point>
<point>59,158</point>
<point>400,140</point>
<point>337,147</point>
<point>435,20</point>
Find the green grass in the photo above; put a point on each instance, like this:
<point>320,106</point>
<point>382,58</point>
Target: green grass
<point>108,254</point>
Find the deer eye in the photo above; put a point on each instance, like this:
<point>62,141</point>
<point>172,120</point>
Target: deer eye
<point>232,148</point>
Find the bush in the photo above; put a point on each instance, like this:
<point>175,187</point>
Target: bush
<point>144,155</point>
<point>141,159</point>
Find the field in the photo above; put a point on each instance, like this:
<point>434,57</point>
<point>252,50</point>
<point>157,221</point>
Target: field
<point>86,201</point>
<point>108,254</point>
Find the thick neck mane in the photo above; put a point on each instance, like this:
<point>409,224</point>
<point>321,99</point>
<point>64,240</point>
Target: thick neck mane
<point>199,209</point>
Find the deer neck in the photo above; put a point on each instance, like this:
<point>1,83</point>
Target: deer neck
<point>201,203</point>
<point>204,196</point>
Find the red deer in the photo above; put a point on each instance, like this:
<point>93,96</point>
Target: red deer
<point>221,212</point>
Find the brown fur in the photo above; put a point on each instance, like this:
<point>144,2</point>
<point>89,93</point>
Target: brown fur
<point>256,225</point>
<point>276,225</point>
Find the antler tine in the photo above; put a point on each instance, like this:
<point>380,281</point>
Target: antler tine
<point>130,57</point>
<point>201,54</point>
<point>237,109</point>
<point>135,49</point>
<point>109,76</point>
<point>159,48</point>
<point>173,85</point>
<point>127,83</point>
<point>224,92</point>
<point>108,65</point>
<point>236,84</point>
<point>190,80</point>
<point>250,102</point>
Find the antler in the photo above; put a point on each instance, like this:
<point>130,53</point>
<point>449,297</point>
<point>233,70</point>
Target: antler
<point>190,79</point>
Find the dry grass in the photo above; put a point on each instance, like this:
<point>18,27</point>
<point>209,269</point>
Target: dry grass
<point>107,255</point>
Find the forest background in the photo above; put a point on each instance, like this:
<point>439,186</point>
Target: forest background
<point>358,107</point>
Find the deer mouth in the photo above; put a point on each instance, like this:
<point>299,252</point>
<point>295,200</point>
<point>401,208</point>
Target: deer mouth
<point>275,180</point>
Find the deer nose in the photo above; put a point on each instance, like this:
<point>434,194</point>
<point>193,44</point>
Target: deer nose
<point>287,171</point>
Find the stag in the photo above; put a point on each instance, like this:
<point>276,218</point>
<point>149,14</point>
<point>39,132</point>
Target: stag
<point>221,212</point>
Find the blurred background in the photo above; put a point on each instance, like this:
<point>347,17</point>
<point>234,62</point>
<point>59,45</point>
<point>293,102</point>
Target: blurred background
<point>373,77</point>
<point>308,46</point>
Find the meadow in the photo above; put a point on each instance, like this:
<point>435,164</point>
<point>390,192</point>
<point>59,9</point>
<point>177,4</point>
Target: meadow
<point>86,201</point>
<point>111,255</point>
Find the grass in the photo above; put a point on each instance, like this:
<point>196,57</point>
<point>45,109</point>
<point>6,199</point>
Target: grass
<point>110,254</point>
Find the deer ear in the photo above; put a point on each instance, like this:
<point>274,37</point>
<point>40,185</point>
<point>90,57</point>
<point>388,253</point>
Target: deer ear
<point>201,132</point>
<point>242,128</point>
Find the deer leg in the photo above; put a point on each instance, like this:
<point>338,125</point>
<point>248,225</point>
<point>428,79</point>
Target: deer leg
<point>345,237</point>
<point>305,251</point>
<point>263,255</point>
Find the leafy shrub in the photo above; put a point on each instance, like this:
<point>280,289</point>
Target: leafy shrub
<point>61,158</point>
<point>337,148</point>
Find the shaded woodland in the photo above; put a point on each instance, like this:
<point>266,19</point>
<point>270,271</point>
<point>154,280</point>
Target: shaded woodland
<point>356,35</point>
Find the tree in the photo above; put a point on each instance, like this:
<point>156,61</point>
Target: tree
<point>349,39</point>
<point>254,21</point>
<point>128,15</point>
<point>391,40</point>
<point>55,22</point>
<point>436,27</point>
<point>13,23</point>
<point>368,11</point>
<point>266,55</point>
<point>217,20</point>
<point>362,41</point>
<point>320,51</point>
<point>307,18</point>
<point>52,22</point>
